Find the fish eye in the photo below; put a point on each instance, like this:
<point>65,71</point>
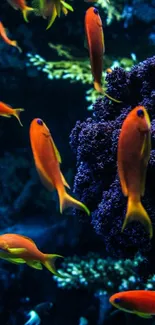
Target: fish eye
<point>140,113</point>
<point>40,122</point>
<point>95,11</point>
<point>117,300</point>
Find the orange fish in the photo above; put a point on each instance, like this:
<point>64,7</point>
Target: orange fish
<point>6,39</point>
<point>138,302</point>
<point>20,249</point>
<point>109,70</point>
<point>7,111</point>
<point>47,160</point>
<point>95,40</point>
<point>51,9</point>
<point>21,5</point>
<point>133,154</point>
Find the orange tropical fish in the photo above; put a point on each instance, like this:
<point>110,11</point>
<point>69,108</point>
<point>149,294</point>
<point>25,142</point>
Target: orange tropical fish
<point>5,38</point>
<point>47,160</point>
<point>20,249</point>
<point>7,111</point>
<point>96,47</point>
<point>50,9</point>
<point>133,154</point>
<point>21,5</point>
<point>139,302</point>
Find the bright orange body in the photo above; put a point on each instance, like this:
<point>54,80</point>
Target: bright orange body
<point>47,160</point>
<point>44,155</point>
<point>132,162</point>
<point>139,302</point>
<point>4,35</point>
<point>8,241</point>
<point>5,109</point>
<point>134,146</point>
<point>95,39</point>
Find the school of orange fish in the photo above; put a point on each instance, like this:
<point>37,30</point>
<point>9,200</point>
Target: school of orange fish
<point>133,154</point>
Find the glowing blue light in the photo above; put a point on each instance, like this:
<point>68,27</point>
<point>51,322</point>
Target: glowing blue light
<point>34,318</point>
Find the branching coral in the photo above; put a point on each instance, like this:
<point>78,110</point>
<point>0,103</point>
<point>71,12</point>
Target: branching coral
<point>94,273</point>
<point>95,144</point>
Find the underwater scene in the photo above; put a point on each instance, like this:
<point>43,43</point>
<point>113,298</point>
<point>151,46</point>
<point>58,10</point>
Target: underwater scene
<point>77,162</point>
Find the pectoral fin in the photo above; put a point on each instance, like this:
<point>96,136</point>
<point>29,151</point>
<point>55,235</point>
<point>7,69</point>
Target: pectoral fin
<point>143,147</point>
<point>145,155</point>
<point>16,251</point>
<point>57,153</point>
<point>34,264</point>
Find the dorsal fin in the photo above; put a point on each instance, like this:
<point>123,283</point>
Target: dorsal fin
<point>28,238</point>
<point>56,151</point>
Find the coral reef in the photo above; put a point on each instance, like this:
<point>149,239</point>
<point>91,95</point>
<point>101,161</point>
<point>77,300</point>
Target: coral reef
<point>95,144</point>
<point>95,274</point>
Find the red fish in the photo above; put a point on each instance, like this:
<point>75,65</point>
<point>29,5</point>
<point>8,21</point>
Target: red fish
<point>139,302</point>
<point>133,154</point>
<point>20,249</point>
<point>7,111</point>
<point>96,47</point>
<point>47,160</point>
<point>6,39</point>
<point>21,5</point>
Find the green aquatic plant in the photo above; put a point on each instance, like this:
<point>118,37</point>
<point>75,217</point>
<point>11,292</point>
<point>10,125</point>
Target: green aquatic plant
<point>76,69</point>
<point>112,8</point>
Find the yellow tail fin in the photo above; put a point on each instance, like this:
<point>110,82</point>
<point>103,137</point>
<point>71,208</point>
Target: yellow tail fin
<point>52,19</point>
<point>67,201</point>
<point>50,264</point>
<point>99,88</point>
<point>14,43</point>
<point>25,12</point>
<point>17,114</point>
<point>135,211</point>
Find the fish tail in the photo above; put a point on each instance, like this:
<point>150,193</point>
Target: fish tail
<point>25,12</point>
<point>14,43</point>
<point>52,19</point>
<point>67,201</point>
<point>17,114</point>
<point>66,5</point>
<point>136,212</point>
<point>99,88</point>
<point>50,263</point>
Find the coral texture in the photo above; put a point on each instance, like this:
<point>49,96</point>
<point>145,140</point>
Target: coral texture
<point>94,273</point>
<point>94,142</point>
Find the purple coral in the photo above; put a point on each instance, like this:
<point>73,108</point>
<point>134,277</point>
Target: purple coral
<point>95,144</point>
